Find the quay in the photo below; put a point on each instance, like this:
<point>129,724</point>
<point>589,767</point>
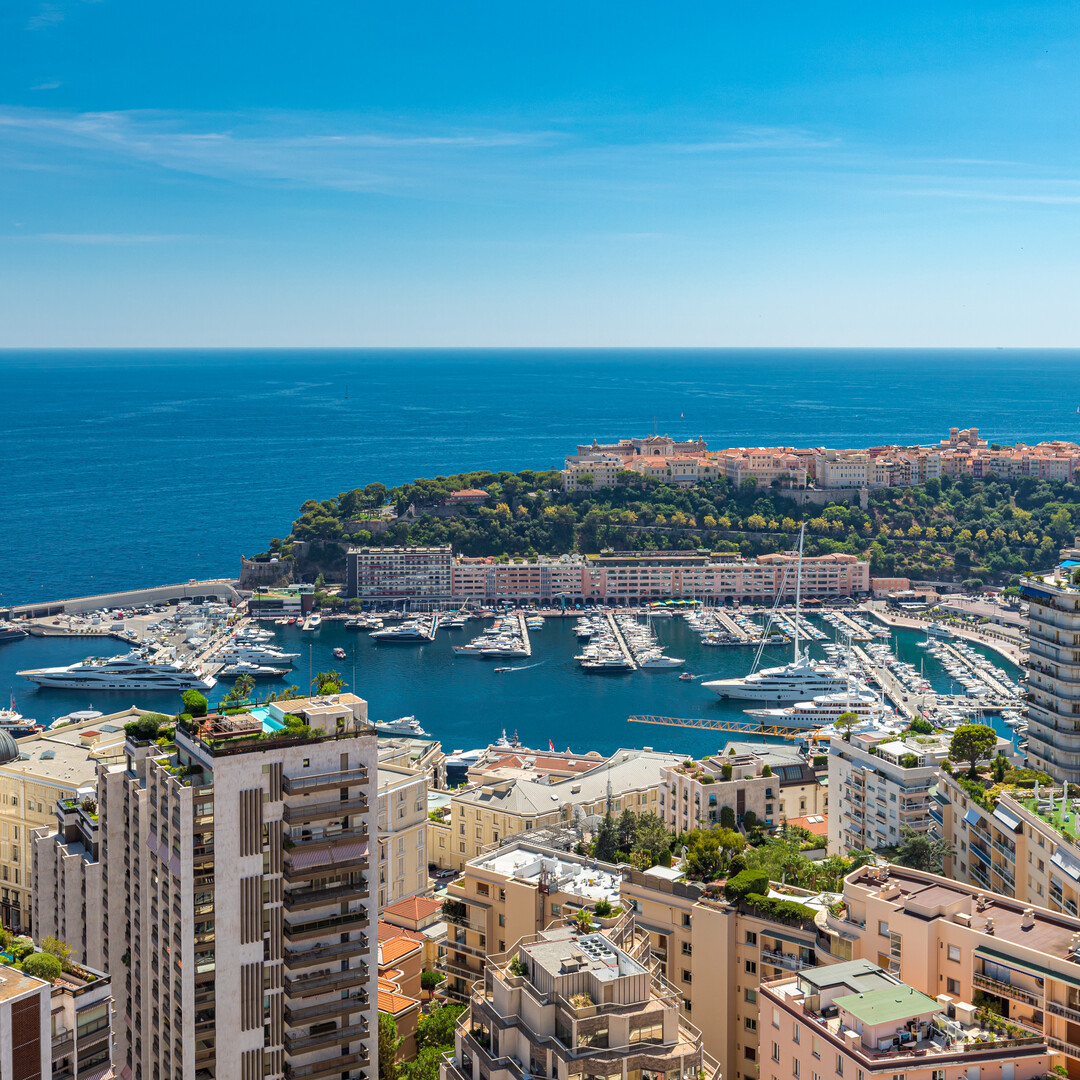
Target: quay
<point>523,630</point>
<point>726,622</point>
<point>214,590</point>
<point>1009,645</point>
<point>980,673</point>
<point>617,633</point>
<point>858,633</point>
<point>36,630</point>
<point>905,702</point>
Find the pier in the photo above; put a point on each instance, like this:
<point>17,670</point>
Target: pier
<point>523,630</point>
<point>725,622</point>
<point>617,634</point>
<point>905,702</point>
<point>979,673</point>
<point>218,589</point>
<point>858,633</point>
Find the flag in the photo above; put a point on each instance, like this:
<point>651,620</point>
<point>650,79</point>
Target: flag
<point>551,745</point>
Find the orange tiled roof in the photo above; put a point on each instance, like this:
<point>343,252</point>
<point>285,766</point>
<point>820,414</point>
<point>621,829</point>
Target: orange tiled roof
<point>388,931</point>
<point>820,827</point>
<point>394,1004</point>
<point>415,907</point>
<point>396,948</point>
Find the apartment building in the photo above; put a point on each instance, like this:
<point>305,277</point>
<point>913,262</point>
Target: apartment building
<point>716,954</point>
<point>402,825</point>
<point>226,875</point>
<point>695,795</point>
<point>513,892</point>
<point>483,815</point>
<point>780,466</point>
<point>591,472</point>
<point>386,574</point>
<point>53,765</point>
<point>944,937</point>
<point>564,1004</point>
<point>421,919</point>
<point>400,965</point>
<point>856,1020</point>
<point>55,1031</point>
<point>1053,678</point>
<point>882,785</point>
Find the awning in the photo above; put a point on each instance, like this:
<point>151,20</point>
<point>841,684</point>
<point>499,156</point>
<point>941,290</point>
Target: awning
<point>339,853</point>
<point>971,817</point>
<point>1066,864</point>
<point>1006,818</point>
<point>1026,966</point>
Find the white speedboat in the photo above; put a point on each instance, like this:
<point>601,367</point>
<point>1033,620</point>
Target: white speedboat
<point>659,660</point>
<point>404,725</point>
<point>939,631</point>
<point>254,654</point>
<point>314,621</point>
<point>129,672</point>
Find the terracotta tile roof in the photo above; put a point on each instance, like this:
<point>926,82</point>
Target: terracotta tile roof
<point>395,948</point>
<point>394,1004</point>
<point>388,931</point>
<point>415,907</point>
<point>818,824</point>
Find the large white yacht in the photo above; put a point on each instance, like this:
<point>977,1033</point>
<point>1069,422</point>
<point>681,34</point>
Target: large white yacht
<point>254,654</point>
<point>404,632</point>
<point>130,672</point>
<point>801,680</point>
<point>825,709</point>
<point>404,725</point>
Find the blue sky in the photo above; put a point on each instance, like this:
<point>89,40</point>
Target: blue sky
<point>708,174</point>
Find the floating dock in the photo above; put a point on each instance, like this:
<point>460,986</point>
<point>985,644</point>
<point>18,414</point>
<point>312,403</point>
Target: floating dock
<point>617,633</point>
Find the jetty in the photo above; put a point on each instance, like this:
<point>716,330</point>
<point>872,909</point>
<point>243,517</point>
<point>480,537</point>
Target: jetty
<point>523,631</point>
<point>858,633</point>
<point>725,622</point>
<point>620,640</point>
<point>891,686</point>
<point>978,672</point>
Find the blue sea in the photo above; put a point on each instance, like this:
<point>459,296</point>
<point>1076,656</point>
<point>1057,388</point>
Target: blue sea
<point>125,468</point>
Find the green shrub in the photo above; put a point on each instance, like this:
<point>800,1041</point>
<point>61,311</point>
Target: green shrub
<point>43,966</point>
<point>725,770</point>
<point>194,703</point>
<point>146,727</point>
<point>727,817</point>
<point>602,909</point>
<point>21,947</point>
<point>909,761</point>
<point>429,980</point>
<point>777,909</point>
<point>744,883</point>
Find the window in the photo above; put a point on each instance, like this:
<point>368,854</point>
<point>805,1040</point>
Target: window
<point>502,920</point>
<point>953,986</point>
<point>815,1047</point>
<point>750,1024</point>
<point>839,1064</point>
<point>795,1067</point>
<point>687,948</point>
<point>954,953</point>
<point>938,1074</point>
<point>776,1051</point>
<point>776,1018</point>
<point>795,1038</point>
<point>751,1054</point>
<point>686,976</point>
<point>751,937</point>
<point>651,1031</point>
<point>686,918</point>
<point>751,967</point>
<point>883,929</point>
<point>482,888</point>
<point>750,996</point>
<point>556,909</point>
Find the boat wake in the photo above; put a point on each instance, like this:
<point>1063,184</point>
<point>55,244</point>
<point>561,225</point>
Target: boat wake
<point>525,667</point>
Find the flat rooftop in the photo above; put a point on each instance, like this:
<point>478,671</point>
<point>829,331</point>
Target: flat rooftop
<point>567,953</point>
<point>579,878</point>
<point>14,983</point>
<point>68,756</point>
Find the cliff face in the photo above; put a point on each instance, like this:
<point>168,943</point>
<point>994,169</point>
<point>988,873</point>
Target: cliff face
<point>265,574</point>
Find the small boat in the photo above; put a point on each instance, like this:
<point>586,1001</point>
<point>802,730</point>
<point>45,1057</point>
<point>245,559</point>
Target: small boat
<point>339,654</point>
<point>404,725</point>
<point>504,669</point>
<point>687,677</point>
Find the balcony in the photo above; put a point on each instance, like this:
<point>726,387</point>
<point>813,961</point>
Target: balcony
<point>1004,989</point>
<point>462,969</point>
<point>63,1044</point>
<point>980,854</point>
<point>789,961</point>
<point>305,1043</point>
<point>339,950</point>
<point>329,1067</point>
<point>336,924</point>
<point>297,813</point>
<point>326,1010</point>
<point>293,785</point>
<point>322,982</point>
<point>297,899</point>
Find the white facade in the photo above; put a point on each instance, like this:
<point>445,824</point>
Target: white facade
<point>402,822</point>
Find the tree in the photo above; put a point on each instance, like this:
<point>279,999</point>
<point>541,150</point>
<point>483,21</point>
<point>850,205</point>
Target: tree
<point>845,722</point>
<point>327,682</point>
<point>240,690</point>
<point>194,703</point>
<point>60,949</point>
<point>1000,766</point>
<point>43,966</point>
<point>921,852</point>
<point>921,726</point>
<point>653,836</point>
<point>970,742</point>
<point>436,1030</point>
<point>627,830</point>
<point>426,1064</point>
<point>389,1044</point>
<point>607,839</point>
<point>429,980</point>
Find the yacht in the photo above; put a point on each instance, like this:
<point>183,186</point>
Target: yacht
<point>314,621</point>
<point>16,725</point>
<point>801,680</point>
<point>256,671</point>
<point>939,631</point>
<point>129,672</point>
<point>824,709</point>
<point>253,654</point>
<point>11,632</point>
<point>404,725</point>
<point>403,633</point>
<point>658,660</point>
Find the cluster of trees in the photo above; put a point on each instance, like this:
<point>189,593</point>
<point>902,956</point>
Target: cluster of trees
<point>640,839</point>
<point>987,529</point>
<point>434,1037</point>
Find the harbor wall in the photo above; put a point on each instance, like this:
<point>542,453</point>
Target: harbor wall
<point>266,574</point>
<point>218,589</point>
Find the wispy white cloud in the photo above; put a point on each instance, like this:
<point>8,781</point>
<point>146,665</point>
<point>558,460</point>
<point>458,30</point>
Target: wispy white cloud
<point>48,15</point>
<point>1044,197</point>
<point>755,139</point>
<point>103,238</point>
<point>46,86</point>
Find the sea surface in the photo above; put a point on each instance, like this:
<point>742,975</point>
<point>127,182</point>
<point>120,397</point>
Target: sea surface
<point>128,468</point>
<point>465,703</point>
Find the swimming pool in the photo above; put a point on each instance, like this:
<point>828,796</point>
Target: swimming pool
<point>269,724</point>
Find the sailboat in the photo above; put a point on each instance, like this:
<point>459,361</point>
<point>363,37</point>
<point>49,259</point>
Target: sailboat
<point>801,680</point>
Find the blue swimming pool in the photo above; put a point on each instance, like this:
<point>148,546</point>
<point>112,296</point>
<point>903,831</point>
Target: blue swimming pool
<point>269,724</point>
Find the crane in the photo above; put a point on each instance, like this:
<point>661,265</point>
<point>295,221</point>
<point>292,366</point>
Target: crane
<point>733,727</point>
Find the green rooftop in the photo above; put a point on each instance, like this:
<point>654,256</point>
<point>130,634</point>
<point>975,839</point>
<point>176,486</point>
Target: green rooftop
<point>1069,828</point>
<point>888,1006</point>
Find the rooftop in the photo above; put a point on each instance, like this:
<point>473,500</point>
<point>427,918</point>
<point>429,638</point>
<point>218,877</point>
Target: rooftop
<point>68,756</point>
<point>14,983</point>
<point>887,1006</point>
<point>414,907</point>
<point>578,877</point>
<point>564,952</point>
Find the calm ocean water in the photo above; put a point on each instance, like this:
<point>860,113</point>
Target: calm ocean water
<point>130,468</point>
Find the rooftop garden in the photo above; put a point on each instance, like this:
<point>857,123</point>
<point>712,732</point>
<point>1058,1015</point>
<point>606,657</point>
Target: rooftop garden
<point>51,961</point>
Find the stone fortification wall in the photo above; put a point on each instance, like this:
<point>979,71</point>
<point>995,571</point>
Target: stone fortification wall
<point>265,574</point>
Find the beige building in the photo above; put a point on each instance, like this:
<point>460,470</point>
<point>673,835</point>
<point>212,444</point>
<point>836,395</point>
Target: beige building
<point>403,828</point>
<point>513,892</point>
<point>963,945</point>
<point>50,766</point>
<point>695,795</point>
<point>567,1005</point>
<point>856,1019</point>
<point>230,871</point>
<point>486,814</point>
